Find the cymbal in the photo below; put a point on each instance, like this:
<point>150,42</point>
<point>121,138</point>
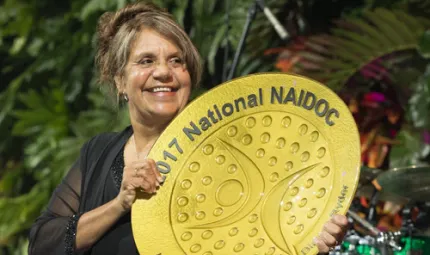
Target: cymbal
<point>256,165</point>
<point>408,182</point>
<point>368,190</point>
<point>368,174</point>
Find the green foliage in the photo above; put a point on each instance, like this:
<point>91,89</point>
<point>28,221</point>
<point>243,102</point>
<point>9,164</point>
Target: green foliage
<point>415,146</point>
<point>352,47</point>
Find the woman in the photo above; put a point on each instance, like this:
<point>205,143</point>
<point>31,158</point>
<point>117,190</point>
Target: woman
<point>152,64</point>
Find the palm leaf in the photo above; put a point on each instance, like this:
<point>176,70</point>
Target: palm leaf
<point>354,45</point>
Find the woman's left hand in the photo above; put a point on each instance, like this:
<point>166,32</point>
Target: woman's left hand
<point>332,234</point>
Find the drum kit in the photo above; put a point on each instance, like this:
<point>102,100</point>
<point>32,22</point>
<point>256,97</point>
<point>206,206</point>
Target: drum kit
<point>409,187</point>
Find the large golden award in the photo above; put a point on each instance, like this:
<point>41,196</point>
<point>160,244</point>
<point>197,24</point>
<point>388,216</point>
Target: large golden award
<point>257,165</point>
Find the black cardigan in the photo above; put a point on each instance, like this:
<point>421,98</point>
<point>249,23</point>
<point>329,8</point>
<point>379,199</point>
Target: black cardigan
<point>89,184</point>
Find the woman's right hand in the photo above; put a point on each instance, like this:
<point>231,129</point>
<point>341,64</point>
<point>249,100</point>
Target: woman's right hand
<point>140,175</point>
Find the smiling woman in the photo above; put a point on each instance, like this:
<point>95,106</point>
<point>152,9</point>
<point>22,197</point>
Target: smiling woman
<point>149,60</point>
<point>152,64</point>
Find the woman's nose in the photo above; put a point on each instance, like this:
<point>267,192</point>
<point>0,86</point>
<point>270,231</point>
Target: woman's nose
<point>162,72</point>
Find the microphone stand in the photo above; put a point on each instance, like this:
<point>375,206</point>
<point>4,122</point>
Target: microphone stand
<point>227,43</point>
<point>252,11</point>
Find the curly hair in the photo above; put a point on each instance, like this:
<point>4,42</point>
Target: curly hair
<point>117,31</point>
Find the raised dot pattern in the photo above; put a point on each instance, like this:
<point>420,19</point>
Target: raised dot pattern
<point>271,152</point>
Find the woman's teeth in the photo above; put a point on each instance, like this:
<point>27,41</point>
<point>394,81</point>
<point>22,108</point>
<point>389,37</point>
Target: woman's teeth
<point>161,89</point>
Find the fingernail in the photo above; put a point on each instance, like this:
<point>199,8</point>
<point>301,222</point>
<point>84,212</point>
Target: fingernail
<point>160,178</point>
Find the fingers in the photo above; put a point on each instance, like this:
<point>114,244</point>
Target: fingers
<point>332,234</point>
<point>340,220</point>
<point>156,172</point>
<point>144,175</point>
<point>322,246</point>
<point>333,230</point>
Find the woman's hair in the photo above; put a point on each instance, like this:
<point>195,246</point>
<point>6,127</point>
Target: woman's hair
<point>117,31</point>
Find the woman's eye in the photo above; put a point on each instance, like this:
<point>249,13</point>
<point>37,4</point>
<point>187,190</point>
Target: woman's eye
<point>176,61</point>
<point>146,61</point>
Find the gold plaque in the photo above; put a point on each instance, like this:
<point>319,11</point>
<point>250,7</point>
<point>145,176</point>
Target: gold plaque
<point>257,165</point>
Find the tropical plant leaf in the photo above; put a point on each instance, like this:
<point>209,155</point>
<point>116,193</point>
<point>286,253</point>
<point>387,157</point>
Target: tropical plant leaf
<point>355,45</point>
<point>424,45</point>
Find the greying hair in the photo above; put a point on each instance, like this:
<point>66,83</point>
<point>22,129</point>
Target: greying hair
<point>118,31</point>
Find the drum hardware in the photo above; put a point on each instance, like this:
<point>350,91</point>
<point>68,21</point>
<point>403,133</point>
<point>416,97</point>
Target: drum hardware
<point>386,242</point>
<point>371,215</point>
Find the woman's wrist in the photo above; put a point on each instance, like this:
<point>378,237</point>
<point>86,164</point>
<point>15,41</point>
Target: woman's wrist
<point>118,207</point>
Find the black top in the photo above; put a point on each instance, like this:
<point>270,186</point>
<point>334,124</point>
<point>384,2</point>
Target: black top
<point>94,180</point>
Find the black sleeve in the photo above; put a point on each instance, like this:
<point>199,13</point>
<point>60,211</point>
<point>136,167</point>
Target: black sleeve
<point>54,231</point>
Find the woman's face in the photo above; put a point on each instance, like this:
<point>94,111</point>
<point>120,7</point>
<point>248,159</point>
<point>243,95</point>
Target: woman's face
<point>156,79</point>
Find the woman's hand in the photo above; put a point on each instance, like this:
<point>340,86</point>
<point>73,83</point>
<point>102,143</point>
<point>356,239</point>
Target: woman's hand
<point>333,233</point>
<point>140,175</point>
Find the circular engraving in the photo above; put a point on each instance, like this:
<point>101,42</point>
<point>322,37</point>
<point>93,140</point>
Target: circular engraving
<point>194,167</point>
<point>265,138</point>
<point>253,232</point>
<point>219,245</point>
<point>218,211</point>
<point>299,228</point>
<point>291,220</point>
<point>286,121</point>
<point>312,212</point>
<point>253,218</point>
<point>186,184</point>
<point>274,177</point>
<point>260,153</point>
<point>208,149</point>
<point>207,234</point>
<point>250,122</point>
<point>207,180</point>
<point>232,131</point>
<point>280,143</point>
<point>200,198</point>
<point>321,193</point>
<point>246,139</point>
<point>288,165</point>
<point>294,148</point>
<point>182,217</point>
<point>314,136</point>
<point>186,236</point>
<point>270,251</point>
<point>220,159</point>
<point>272,161</point>
<point>195,248</point>
<point>305,156</point>
<point>294,191</point>
<point>233,231</point>
<point>208,253</point>
<point>287,206</point>
<point>324,172</point>
<point>303,202</point>
<point>232,169</point>
<point>238,247</point>
<point>321,152</point>
<point>309,183</point>
<point>267,121</point>
<point>259,242</point>
<point>182,201</point>
<point>229,193</point>
<point>303,129</point>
